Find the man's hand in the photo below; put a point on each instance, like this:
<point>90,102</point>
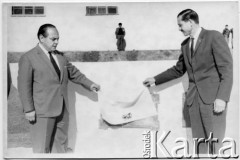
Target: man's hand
<point>148,82</point>
<point>95,87</point>
<point>30,116</point>
<point>219,105</point>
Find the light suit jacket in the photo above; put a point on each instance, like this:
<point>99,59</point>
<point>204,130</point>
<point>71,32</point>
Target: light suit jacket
<point>39,86</point>
<point>210,69</point>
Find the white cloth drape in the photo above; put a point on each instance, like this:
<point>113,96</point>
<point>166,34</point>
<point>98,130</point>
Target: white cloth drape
<point>119,111</point>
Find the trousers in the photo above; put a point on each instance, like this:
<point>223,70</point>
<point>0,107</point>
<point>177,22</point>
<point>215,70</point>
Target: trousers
<point>50,135</point>
<point>205,121</point>
<point>121,43</point>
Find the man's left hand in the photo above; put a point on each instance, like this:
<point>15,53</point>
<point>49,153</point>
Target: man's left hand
<point>219,105</point>
<point>95,87</point>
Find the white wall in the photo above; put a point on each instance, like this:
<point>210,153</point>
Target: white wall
<point>149,26</point>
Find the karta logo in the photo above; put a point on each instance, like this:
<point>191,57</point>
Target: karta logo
<point>154,145</point>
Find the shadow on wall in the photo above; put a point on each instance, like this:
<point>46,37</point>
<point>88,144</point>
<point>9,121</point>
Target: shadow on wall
<point>184,81</point>
<point>185,113</point>
<point>74,89</point>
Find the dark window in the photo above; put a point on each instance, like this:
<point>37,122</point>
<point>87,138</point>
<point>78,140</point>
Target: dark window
<point>17,10</point>
<point>27,11</point>
<point>101,10</point>
<point>112,10</point>
<point>39,10</point>
<point>91,10</point>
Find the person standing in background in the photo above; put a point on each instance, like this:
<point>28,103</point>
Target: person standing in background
<point>9,79</point>
<point>120,34</point>
<point>231,31</point>
<point>226,33</point>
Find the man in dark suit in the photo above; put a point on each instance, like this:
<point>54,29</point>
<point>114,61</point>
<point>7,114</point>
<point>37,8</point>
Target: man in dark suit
<point>9,79</point>
<point>207,60</point>
<point>226,32</point>
<point>120,34</point>
<point>42,84</point>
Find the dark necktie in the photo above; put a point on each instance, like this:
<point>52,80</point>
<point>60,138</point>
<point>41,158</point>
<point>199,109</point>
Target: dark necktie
<point>191,48</point>
<point>54,64</point>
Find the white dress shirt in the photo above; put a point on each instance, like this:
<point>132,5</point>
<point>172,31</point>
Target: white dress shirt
<point>195,36</point>
<point>47,54</point>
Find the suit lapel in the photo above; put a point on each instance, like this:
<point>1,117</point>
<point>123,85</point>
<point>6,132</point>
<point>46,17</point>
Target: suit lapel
<point>199,41</point>
<point>187,51</point>
<point>47,61</point>
<point>186,47</point>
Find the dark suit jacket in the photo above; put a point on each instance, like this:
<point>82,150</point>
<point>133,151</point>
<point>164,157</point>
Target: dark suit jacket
<point>9,79</point>
<point>116,32</point>
<point>39,86</point>
<point>210,70</point>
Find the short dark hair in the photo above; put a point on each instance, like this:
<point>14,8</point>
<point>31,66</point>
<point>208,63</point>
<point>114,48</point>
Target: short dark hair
<point>43,30</point>
<point>189,14</point>
<point>120,24</point>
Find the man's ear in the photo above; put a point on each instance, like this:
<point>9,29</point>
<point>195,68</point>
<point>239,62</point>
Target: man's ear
<point>41,37</point>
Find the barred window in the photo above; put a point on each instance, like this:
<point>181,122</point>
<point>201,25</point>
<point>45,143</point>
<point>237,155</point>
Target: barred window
<point>17,10</point>
<point>27,11</point>
<point>112,10</point>
<point>101,10</point>
<point>39,10</point>
<point>91,10</point>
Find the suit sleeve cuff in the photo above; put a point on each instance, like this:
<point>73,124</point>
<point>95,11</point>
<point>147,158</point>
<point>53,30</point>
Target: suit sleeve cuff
<point>28,111</point>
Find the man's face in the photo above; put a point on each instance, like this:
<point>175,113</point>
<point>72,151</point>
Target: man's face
<point>51,41</point>
<point>184,26</point>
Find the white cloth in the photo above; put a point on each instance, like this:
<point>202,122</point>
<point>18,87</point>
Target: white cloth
<point>120,112</point>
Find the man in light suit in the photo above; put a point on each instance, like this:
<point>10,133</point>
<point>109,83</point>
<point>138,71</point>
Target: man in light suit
<point>42,84</point>
<point>207,60</point>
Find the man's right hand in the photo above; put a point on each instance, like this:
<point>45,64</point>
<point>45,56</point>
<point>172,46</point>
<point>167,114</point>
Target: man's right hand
<point>30,116</point>
<point>149,82</point>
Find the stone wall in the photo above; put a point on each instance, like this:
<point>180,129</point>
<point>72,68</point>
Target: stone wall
<point>106,56</point>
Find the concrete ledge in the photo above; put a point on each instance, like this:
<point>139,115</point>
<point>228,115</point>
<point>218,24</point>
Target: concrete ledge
<point>106,56</point>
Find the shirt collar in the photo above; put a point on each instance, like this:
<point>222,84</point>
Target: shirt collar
<point>196,35</point>
<point>44,50</point>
